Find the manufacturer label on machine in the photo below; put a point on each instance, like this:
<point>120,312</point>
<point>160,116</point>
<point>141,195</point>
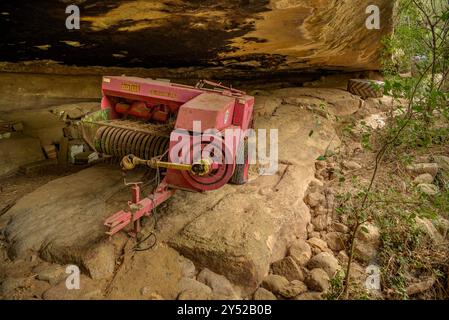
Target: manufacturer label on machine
<point>162,93</point>
<point>131,87</point>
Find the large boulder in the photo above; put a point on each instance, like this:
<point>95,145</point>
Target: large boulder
<point>64,217</point>
<point>240,231</point>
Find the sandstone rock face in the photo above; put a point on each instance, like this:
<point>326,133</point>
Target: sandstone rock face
<point>264,35</point>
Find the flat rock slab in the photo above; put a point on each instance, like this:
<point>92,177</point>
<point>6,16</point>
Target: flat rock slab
<point>239,230</point>
<point>63,217</point>
<point>17,151</point>
<point>334,101</point>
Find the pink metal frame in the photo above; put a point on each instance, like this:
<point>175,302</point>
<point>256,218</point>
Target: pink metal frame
<point>217,109</point>
<point>138,208</point>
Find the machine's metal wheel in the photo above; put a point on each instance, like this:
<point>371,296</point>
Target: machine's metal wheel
<point>217,177</point>
<point>240,175</point>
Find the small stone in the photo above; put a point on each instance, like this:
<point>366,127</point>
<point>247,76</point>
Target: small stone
<point>314,234</point>
<point>420,168</point>
<point>263,294</point>
<point>325,261</point>
<point>335,241</point>
<point>190,289</point>
<point>442,161</point>
<point>319,210</point>
<point>421,286</point>
<point>342,257</point>
<point>146,290</point>
<point>194,288</point>
<point>100,261</point>
<point>426,226</point>
<point>443,226</point>
<point>369,233</point>
<point>11,284</point>
<point>287,268</point>
<point>317,243</point>
<point>318,280</point>
<point>320,165</point>
<point>314,199</point>
<point>155,296</point>
<point>423,159</point>
<point>309,296</point>
<point>340,227</point>
<point>320,222</point>
<point>218,283</point>
<point>275,283</point>
<point>310,228</point>
<point>300,251</point>
<point>51,273</point>
<point>89,289</point>
<point>357,272</point>
<point>194,295</point>
<point>293,289</point>
<point>429,189</point>
<point>364,251</point>
<point>187,267</point>
<point>423,178</point>
<point>351,165</point>
<point>402,186</point>
<point>315,183</point>
<point>148,293</point>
